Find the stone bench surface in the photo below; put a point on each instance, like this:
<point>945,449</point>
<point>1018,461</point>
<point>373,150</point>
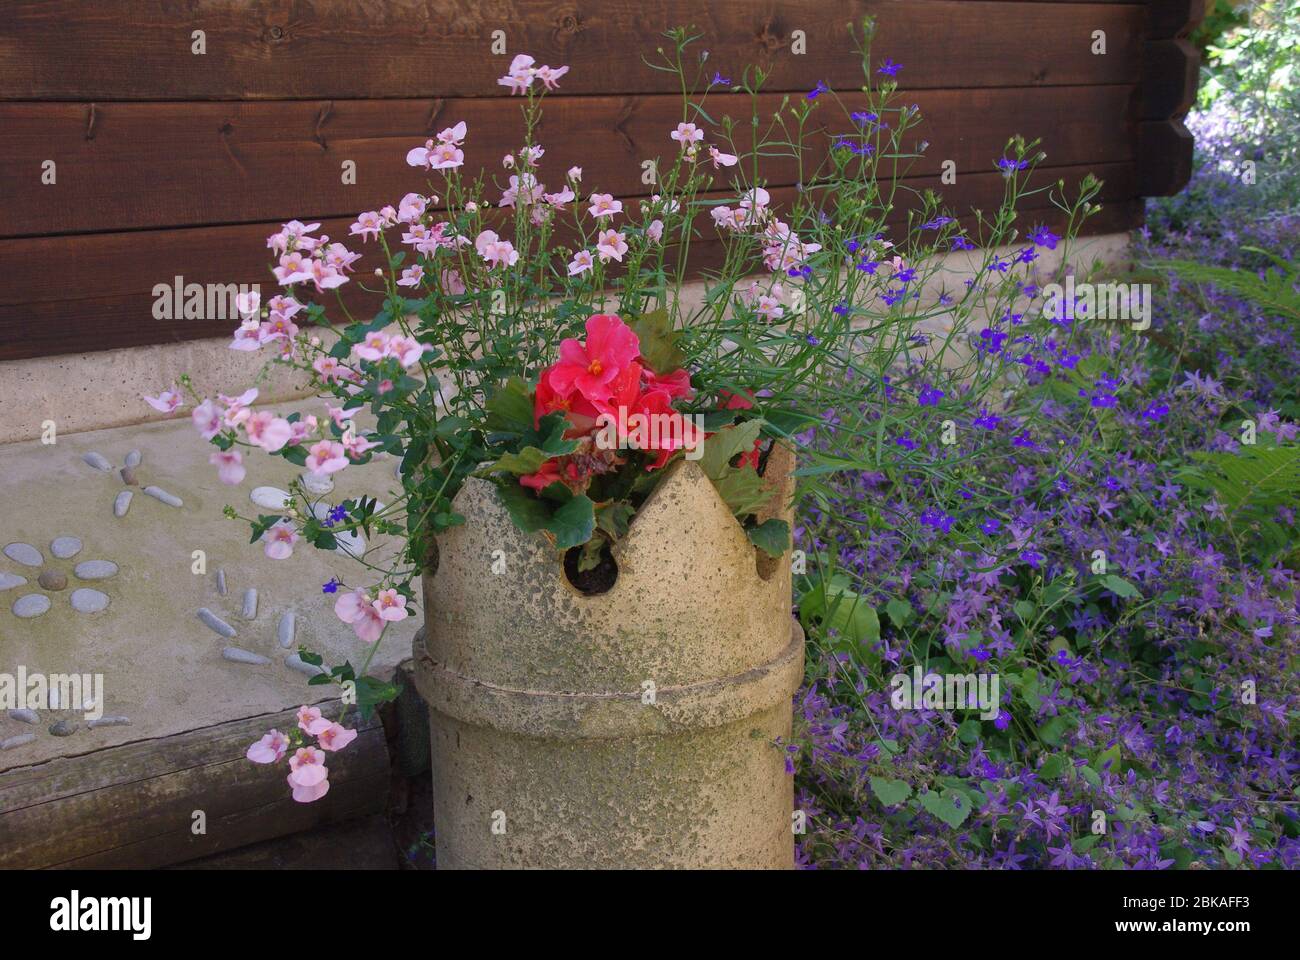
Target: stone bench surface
<point>87,591</point>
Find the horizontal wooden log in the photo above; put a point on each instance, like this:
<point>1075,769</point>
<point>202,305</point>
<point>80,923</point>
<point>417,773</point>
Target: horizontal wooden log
<point>1165,151</point>
<point>1172,70</point>
<point>100,298</point>
<point>133,805</point>
<point>1167,19</point>
<point>288,49</point>
<point>125,166</point>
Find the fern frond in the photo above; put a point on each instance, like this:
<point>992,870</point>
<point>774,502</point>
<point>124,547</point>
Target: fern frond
<point>1274,293</point>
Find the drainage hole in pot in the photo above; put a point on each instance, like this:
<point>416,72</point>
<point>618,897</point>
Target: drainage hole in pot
<point>597,579</point>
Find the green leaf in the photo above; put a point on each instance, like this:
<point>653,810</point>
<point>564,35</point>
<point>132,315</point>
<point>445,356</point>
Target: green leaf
<point>659,341</point>
<point>528,512</point>
<point>574,523</point>
<point>771,536</point>
<point>950,806</point>
<point>1052,767</point>
<point>526,461</point>
<point>719,449</point>
<point>615,517</point>
<point>839,608</point>
<point>890,792</point>
<point>900,611</point>
<point>743,491</point>
<point>969,731</point>
<point>510,408</point>
<point>1120,587</point>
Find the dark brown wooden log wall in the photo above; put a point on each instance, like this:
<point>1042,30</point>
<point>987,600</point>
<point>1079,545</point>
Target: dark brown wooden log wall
<point>170,163</point>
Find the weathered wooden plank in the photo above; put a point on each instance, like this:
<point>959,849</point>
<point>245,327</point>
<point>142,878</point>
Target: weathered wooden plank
<point>105,265</point>
<point>1165,151</point>
<point>101,298</point>
<point>1167,19</point>
<point>288,49</point>
<point>1172,70</point>
<point>133,805</point>
<point>125,166</point>
<point>346,799</point>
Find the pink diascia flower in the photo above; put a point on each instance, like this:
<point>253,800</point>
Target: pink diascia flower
<point>687,134</point>
<point>207,419</point>
<point>407,350</point>
<point>549,75</point>
<point>237,407</point>
<point>248,304</point>
<point>293,236</point>
<point>445,154</point>
<point>582,262</point>
<point>452,284</point>
<point>326,456</point>
<point>356,609</point>
<point>611,245</point>
<point>721,159</point>
<point>230,466</point>
<point>604,205</point>
<point>335,737</point>
<point>523,71</point>
<point>266,430</point>
<point>373,347</point>
<point>168,401</point>
<point>310,720</point>
<point>329,369</point>
<point>307,775</point>
<point>270,749</point>
<point>280,538</point>
<point>391,605</point>
<point>293,268</point>
<point>367,226</point>
<point>495,250</point>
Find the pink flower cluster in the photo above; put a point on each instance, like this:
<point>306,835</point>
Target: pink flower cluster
<point>369,615</point>
<point>308,777</point>
<point>689,137</point>
<point>308,259</point>
<point>782,248</point>
<point>524,70</point>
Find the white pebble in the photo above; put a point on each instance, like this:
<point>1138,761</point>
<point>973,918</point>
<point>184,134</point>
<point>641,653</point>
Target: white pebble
<point>31,605</point>
<point>237,655</point>
<point>272,498</point>
<point>25,554</point>
<point>215,622</point>
<point>10,580</point>
<point>133,458</point>
<point>109,722</point>
<point>122,503</point>
<point>221,582</point>
<point>158,493</point>
<point>86,600</point>
<point>250,604</point>
<point>97,461</point>
<point>24,715</point>
<point>285,631</point>
<point>65,547</point>
<point>95,569</point>
<point>17,741</point>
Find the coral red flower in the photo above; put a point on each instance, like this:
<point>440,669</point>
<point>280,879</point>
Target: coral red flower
<point>590,368</point>
<point>676,384</point>
<point>543,478</point>
<point>580,411</point>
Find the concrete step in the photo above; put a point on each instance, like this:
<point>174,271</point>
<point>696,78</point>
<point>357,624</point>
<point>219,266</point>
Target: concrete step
<point>85,591</point>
